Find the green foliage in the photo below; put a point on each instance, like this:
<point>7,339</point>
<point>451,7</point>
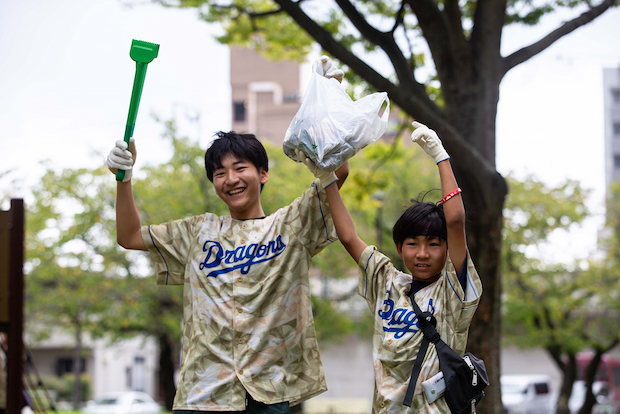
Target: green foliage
<point>612,242</point>
<point>330,324</point>
<point>253,24</point>
<point>63,386</point>
<point>529,12</point>
<point>67,241</point>
<point>552,305</point>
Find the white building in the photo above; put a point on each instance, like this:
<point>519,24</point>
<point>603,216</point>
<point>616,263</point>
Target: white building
<point>128,365</point>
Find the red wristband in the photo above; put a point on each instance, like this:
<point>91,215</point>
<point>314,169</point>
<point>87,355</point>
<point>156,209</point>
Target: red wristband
<point>449,196</point>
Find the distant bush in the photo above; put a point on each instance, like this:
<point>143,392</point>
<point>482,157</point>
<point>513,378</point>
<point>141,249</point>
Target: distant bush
<point>62,387</point>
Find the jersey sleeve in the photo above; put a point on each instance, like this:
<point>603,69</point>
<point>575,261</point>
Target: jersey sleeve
<point>169,246</point>
<point>311,221</point>
<point>463,298</point>
<point>374,268</point>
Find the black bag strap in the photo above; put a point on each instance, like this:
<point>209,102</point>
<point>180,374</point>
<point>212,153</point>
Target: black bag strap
<point>427,324</point>
<point>416,372</point>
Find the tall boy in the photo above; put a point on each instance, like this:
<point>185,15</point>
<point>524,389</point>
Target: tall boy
<point>249,343</point>
<point>443,280</point>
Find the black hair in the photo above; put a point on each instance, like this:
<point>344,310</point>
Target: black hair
<point>421,219</point>
<point>244,146</point>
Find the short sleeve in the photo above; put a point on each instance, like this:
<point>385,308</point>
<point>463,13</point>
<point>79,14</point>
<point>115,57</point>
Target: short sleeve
<point>374,267</point>
<point>463,301</point>
<point>169,245</point>
<point>310,219</point>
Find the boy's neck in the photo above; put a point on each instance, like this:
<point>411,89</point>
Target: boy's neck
<point>255,213</point>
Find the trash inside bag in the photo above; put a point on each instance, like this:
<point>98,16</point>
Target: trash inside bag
<point>330,127</point>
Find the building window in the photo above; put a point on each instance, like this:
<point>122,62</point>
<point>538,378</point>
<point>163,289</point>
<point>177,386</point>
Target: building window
<point>616,161</point>
<point>139,377</point>
<point>291,97</point>
<point>615,94</point>
<point>65,366</point>
<point>617,129</point>
<point>615,372</point>
<point>239,111</point>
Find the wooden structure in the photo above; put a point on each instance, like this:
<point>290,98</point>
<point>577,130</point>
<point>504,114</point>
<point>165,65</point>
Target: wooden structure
<point>12,301</point>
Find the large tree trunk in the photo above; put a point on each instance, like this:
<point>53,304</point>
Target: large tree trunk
<point>591,372</point>
<point>471,105</point>
<point>484,241</point>
<point>166,370</point>
<point>569,375</point>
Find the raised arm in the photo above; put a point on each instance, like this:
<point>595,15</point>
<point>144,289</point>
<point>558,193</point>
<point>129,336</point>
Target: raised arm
<point>344,224</point>
<point>128,223</point>
<point>453,208</point>
<point>342,173</point>
<point>342,219</point>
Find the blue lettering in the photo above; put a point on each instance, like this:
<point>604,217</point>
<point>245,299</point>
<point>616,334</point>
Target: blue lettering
<point>214,255</point>
<point>251,250</point>
<point>410,318</point>
<point>386,315</point>
<point>239,253</point>
<point>262,249</point>
<point>243,257</point>
<point>396,318</point>
<point>401,320</point>
<point>430,308</point>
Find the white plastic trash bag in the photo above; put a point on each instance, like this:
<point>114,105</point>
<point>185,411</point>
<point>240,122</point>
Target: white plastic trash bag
<point>330,127</point>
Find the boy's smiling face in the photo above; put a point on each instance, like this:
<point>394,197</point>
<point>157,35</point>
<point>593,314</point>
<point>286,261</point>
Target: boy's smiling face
<point>238,183</point>
<point>424,256</point>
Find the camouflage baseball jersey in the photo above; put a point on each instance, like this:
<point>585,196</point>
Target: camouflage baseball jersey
<point>247,318</point>
<point>397,338</point>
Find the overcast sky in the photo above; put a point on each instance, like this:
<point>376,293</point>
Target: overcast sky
<point>65,84</point>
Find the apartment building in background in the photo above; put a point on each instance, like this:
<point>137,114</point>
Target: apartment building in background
<point>265,94</point>
<point>611,93</point>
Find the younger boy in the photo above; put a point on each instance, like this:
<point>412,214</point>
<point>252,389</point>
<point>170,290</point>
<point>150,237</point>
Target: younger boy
<point>249,343</point>
<point>444,281</point>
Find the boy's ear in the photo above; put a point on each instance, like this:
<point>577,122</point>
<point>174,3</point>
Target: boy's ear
<point>264,176</point>
<point>399,249</point>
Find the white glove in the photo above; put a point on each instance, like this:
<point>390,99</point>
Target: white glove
<point>122,159</point>
<point>429,141</point>
<point>325,177</point>
<point>324,67</point>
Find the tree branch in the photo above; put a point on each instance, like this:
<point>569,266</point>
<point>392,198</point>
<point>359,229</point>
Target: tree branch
<point>453,15</point>
<point>527,52</point>
<point>245,11</point>
<point>413,101</point>
<point>612,345</point>
<point>434,30</point>
<point>384,40</point>
<point>399,18</point>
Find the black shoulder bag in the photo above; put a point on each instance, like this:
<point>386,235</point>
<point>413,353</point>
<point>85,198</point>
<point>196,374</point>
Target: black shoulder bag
<point>465,377</point>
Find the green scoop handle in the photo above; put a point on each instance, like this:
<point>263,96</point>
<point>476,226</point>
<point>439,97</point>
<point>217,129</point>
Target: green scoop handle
<point>142,53</point>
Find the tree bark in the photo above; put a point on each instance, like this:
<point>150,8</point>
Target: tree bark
<point>77,365</point>
<point>569,374</point>
<point>591,371</point>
